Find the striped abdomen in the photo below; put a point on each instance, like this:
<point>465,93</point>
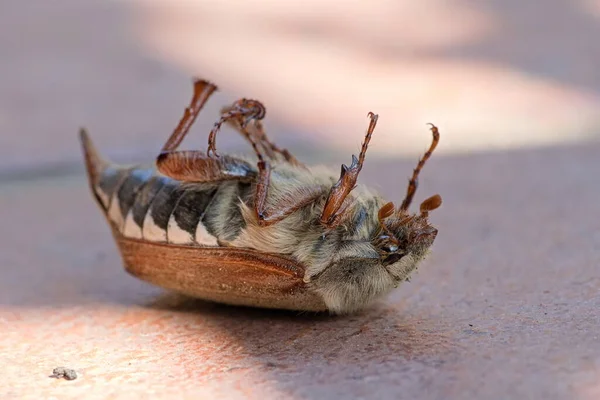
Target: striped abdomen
<point>145,205</point>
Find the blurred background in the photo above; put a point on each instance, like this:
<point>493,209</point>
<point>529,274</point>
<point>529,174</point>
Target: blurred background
<point>495,74</point>
<point>506,307</point>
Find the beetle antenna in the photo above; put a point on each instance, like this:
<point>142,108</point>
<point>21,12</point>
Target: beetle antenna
<point>413,183</point>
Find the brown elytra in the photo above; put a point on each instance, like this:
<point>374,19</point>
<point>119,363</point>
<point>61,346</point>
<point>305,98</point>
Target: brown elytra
<point>242,277</point>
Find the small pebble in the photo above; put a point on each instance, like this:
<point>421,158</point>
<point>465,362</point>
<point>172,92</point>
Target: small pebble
<point>62,372</point>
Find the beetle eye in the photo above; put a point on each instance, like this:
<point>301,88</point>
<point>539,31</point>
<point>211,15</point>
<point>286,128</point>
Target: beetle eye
<point>392,258</point>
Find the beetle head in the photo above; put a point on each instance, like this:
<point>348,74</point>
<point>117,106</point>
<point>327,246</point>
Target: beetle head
<point>402,234</point>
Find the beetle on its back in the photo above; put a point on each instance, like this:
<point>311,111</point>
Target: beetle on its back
<point>272,233</point>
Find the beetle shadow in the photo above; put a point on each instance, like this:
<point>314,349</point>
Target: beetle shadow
<point>291,348</point>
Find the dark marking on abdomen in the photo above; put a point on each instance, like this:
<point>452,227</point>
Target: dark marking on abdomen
<point>145,197</point>
<point>164,203</point>
<point>130,187</point>
<point>109,183</point>
<point>192,205</point>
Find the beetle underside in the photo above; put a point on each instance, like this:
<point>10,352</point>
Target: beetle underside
<point>275,234</point>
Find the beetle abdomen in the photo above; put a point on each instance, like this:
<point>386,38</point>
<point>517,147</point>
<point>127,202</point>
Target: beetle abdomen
<point>143,204</point>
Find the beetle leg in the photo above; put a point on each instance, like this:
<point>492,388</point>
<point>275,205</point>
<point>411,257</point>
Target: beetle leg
<point>257,130</point>
<point>242,112</point>
<point>335,206</point>
<point>263,180</point>
<point>202,91</point>
<point>293,202</point>
<point>196,166</point>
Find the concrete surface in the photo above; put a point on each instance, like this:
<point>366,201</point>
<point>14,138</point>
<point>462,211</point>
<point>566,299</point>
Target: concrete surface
<point>507,307</point>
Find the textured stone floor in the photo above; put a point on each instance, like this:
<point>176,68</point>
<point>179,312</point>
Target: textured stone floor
<point>507,307</point>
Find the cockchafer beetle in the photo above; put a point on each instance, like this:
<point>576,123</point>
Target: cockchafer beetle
<point>270,233</point>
